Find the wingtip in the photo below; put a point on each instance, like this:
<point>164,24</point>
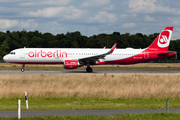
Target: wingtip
<point>114,46</point>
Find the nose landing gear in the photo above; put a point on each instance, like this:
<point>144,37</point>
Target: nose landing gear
<point>22,70</point>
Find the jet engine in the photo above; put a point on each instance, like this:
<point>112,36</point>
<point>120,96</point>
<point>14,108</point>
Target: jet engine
<point>71,64</point>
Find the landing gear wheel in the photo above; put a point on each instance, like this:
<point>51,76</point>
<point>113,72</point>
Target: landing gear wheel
<point>22,70</point>
<point>89,69</point>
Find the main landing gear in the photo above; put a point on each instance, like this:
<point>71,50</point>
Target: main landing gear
<point>89,69</point>
<point>22,70</point>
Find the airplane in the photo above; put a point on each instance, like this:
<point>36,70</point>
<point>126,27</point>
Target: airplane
<point>73,58</point>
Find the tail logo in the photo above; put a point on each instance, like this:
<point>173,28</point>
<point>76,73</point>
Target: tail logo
<point>164,39</point>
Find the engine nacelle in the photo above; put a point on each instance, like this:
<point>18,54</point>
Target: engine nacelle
<point>71,64</point>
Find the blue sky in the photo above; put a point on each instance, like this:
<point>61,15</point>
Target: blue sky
<point>90,17</point>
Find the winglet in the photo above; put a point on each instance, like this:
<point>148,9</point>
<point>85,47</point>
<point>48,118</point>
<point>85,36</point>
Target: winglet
<point>112,49</point>
<point>104,47</point>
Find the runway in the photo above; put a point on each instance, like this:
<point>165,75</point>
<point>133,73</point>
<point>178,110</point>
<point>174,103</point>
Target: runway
<point>81,72</point>
<point>81,112</point>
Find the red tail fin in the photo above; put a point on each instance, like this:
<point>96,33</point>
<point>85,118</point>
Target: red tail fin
<point>163,40</point>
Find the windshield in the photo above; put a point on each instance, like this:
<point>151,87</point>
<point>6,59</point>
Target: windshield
<point>12,53</point>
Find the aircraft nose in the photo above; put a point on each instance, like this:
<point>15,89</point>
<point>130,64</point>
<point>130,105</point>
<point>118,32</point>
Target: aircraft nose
<point>5,58</point>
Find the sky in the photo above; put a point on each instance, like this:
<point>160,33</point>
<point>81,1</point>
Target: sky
<point>90,17</point>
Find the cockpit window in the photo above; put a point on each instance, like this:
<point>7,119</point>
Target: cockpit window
<point>12,53</point>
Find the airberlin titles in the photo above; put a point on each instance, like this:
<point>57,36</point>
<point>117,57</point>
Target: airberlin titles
<point>50,54</point>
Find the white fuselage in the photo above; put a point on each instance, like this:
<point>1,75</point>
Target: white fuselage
<point>59,55</point>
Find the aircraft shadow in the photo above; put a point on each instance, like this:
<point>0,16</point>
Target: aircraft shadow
<point>77,72</point>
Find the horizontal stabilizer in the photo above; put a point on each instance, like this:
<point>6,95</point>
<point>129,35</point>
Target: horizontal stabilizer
<point>166,53</point>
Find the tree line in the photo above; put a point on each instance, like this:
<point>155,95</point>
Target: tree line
<point>35,39</point>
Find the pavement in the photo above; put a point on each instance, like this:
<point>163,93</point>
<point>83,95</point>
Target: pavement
<point>82,112</point>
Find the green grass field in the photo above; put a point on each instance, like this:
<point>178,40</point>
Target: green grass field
<point>49,103</point>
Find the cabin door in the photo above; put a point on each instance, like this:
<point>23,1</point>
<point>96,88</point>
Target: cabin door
<point>22,53</point>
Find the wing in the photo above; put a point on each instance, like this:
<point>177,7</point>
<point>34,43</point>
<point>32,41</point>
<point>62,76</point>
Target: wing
<point>96,57</point>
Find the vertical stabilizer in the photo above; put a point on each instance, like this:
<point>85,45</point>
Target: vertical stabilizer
<point>163,40</point>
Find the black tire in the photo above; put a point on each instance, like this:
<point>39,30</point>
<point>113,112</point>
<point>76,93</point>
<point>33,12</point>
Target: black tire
<point>89,70</point>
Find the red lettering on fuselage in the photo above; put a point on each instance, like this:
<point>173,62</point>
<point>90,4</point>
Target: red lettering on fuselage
<point>43,54</point>
<point>49,54</point>
<point>64,53</point>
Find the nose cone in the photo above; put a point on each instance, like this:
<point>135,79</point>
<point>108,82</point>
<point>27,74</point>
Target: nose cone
<point>6,58</point>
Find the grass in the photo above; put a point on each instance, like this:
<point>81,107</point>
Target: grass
<point>148,116</point>
<point>75,103</point>
<point>90,91</point>
<point>108,86</point>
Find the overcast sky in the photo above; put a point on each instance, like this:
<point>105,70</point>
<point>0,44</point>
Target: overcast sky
<point>90,17</point>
